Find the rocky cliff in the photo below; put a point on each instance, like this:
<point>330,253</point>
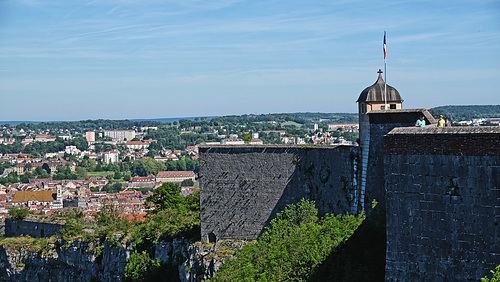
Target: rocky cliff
<point>83,261</point>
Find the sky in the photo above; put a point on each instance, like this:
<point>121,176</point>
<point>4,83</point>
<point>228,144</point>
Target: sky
<point>124,59</point>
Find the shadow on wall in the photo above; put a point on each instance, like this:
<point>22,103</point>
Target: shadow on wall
<point>361,257</point>
<point>324,176</point>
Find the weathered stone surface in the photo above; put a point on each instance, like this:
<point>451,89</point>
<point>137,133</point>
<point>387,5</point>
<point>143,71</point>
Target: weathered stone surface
<point>79,261</point>
<point>76,262</point>
<point>32,227</point>
<point>443,222</point>
<point>242,188</point>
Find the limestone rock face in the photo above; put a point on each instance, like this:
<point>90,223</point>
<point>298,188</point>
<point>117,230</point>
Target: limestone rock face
<point>83,261</point>
<point>197,261</point>
<point>79,261</point>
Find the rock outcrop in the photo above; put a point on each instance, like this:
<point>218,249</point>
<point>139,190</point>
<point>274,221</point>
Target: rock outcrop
<point>84,261</point>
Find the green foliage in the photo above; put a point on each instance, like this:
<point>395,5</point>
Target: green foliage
<point>187,182</point>
<point>18,213</point>
<point>496,276</point>
<point>247,137</point>
<point>112,188</point>
<point>141,267</point>
<point>168,195</point>
<point>361,257</point>
<point>165,225</point>
<point>74,225</point>
<point>296,244</point>
<point>27,243</point>
<point>174,216</point>
<point>145,167</point>
<point>73,229</point>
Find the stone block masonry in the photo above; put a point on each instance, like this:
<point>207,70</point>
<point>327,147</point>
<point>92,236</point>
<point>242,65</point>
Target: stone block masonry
<point>31,227</point>
<point>443,203</point>
<point>242,188</point>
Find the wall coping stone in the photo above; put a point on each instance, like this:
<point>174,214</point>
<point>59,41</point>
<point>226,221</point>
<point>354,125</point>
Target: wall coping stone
<point>401,116</point>
<point>446,130</point>
<point>274,146</point>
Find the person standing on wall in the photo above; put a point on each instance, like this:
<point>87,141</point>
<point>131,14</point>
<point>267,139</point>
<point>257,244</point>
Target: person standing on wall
<point>441,121</point>
<point>447,123</point>
<point>420,122</point>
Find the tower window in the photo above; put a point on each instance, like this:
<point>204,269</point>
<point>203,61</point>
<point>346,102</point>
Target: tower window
<point>392,106</point>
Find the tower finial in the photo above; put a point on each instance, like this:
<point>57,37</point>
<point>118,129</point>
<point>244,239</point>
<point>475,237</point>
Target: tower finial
<point>380,71</point>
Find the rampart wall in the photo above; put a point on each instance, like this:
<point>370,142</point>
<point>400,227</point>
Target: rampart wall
<point>442,203</point>
<point>243,187</point>
<point>31,227</point>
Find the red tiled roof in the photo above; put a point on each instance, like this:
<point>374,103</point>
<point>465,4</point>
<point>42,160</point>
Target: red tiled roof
<point>172,174</point>
<point>142,179</point>
<point>136,143</point>
<point>134,217</point>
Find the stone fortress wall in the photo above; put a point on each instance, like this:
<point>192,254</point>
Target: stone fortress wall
<point>442,203</point>
<point>242,188</point>
<point>440,187</point>
<point>31,227</point>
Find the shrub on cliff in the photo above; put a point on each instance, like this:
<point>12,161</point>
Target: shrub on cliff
<point>141,267</point>
<point>174,216</point>
<point>18,213</point>
<point>297,242</point>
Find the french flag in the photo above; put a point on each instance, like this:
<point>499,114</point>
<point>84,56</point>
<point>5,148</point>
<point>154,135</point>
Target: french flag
<point>385,48</point>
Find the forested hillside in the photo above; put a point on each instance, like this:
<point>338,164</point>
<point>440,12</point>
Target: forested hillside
<point>467,112</point>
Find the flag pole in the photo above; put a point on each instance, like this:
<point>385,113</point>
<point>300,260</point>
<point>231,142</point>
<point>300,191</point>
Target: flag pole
<point>385,73</point>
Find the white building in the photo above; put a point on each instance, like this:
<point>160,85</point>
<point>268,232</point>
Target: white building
<point>120,135</point>
<point>110,157</point>
<point>232,141</point>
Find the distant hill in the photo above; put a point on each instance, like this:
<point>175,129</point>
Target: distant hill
<point>455,113</point>
<point>301,118</point>
<point>165,120</point>
<point>467,112</point>
<point>16,122</point>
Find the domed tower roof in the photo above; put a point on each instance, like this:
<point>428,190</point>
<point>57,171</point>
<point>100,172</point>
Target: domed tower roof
<point>375,93</point>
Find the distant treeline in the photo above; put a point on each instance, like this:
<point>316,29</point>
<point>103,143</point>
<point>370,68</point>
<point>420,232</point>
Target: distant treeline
<point>458,113</point>
<point>301,118</point>
<point>99,124</point>
<point>454,112</point>
<point>86,125</point>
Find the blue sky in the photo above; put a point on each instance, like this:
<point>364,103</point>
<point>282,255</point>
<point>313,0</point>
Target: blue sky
<point>75,60</point>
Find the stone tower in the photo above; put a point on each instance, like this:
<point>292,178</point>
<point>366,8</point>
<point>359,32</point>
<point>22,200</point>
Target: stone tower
<point>372,98</point>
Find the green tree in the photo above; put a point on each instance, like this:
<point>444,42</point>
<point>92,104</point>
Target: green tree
<point>247,137</point>
<point>141,267</point>
<point>187,182</point>
<point>297,243</point>
<point>167,196</point>
<point>117,175</point>
<point>81,172</point>
<point>18,213</point>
